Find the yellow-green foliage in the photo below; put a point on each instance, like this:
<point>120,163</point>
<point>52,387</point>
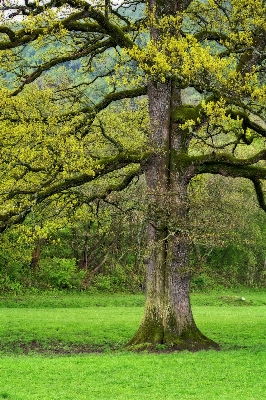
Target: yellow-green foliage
<point>55,129</point>
<point>41,148</point>
<point>186,112</point>
<point>194,60</point>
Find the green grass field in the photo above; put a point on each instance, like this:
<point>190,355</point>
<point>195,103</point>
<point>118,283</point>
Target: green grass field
<point>71,347</point>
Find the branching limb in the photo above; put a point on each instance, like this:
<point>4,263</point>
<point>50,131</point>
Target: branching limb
<point>105,166</point>
<point>97,48</point>
<point>254,56</point>
<point>227,159</point>
<point>231,170</point>
<point>17,218</point>
<point>250,120</point>
<point>117,186</point>
<point>85,11</point>
<point>90,112</point>
<point>109,138</point>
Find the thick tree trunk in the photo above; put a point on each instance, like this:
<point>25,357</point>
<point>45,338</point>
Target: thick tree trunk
<point>168,319</point>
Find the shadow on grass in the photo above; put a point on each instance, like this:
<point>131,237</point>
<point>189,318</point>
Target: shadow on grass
<point>59,348</point>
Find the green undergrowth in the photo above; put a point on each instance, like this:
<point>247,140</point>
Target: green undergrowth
<point>71,300</point>
<point>240,297</point>
<point>62,346</point>
<point>229,375</point>
<point>61,299</point>
<point>79,323</point>
<point>66,330</point>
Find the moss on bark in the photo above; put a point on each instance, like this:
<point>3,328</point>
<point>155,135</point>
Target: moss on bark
<point>157,339</point>
<point>159,334</point>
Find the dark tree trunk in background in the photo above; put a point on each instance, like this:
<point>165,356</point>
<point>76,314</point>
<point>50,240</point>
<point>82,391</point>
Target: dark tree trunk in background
<point>83,263</point>
<point>36,255</point>
<point>168,318</point>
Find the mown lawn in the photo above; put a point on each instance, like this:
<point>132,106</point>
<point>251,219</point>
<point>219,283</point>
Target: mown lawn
<point>41,339</point>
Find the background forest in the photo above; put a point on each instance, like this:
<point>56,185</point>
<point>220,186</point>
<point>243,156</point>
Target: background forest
<point>100,245</point>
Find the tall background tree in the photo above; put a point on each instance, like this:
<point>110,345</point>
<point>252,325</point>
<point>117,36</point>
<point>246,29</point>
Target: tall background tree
<point>202,66</point>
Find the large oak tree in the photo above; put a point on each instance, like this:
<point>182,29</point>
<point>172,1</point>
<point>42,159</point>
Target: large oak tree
<point>202,67</point>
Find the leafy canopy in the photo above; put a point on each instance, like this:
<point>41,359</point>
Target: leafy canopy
<point>73,73</point>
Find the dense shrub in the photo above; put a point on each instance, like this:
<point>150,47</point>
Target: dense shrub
<point>60,273</point>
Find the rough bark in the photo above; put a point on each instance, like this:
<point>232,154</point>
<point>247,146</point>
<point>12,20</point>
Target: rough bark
<point>168,318</point>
